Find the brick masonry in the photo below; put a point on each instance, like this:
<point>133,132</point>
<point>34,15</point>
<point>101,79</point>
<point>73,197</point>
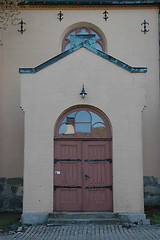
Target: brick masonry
<point>11,193</point>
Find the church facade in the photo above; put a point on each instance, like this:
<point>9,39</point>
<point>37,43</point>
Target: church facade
<point>80,106</point>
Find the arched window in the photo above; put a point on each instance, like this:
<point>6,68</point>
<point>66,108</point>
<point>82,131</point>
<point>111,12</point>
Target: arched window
<point>81,31</point>
<point>83,122</point>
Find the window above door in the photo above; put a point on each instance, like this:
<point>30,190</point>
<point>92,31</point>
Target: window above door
<point>82,123</point>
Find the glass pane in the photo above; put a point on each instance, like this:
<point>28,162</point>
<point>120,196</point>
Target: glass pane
<point>83,31</point>
<point>68,46</point>
<point>69,127</point>
<point>83,116</point>
<point>93,32</point>
<point>96,118</point>
<point>99,129</point>
<point>62,129</point>
<point>83,129</point>
<point>98,46</point>
<point>72,33</point>
<point>70,115</point>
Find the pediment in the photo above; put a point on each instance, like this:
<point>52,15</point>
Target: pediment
<point>90,47</point>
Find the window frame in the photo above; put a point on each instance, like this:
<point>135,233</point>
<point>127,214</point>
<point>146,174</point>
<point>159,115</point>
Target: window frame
<point>99,40</point>
<point>76,136</point>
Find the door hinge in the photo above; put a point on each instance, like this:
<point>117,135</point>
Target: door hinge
<point>99,187</point>
<point>67,160</point>
<point>100,160</point>
<point>55,187</point>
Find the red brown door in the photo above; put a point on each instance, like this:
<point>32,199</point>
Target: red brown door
<point>83,176</point>
<point>68,176</point>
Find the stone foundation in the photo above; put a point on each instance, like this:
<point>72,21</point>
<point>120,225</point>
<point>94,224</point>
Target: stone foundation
<point>151,192</point>
<point>11,194</point>
<point>34,218</point>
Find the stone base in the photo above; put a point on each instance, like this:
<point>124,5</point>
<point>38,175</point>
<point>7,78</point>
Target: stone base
<point>42,218</point>
<point>151,192</point>
<point>136,218</point>
<point>11,194</point>
<point>34,218</point>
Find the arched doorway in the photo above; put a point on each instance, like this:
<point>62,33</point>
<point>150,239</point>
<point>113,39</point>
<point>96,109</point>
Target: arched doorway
<point>83,161</point>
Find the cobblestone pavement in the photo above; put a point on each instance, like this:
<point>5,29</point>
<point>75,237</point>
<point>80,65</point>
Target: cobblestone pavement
<point>86,232</point>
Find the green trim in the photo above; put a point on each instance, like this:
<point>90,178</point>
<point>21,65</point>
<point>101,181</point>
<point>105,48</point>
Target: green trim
<point>94,50</point>
<point>90,2</point>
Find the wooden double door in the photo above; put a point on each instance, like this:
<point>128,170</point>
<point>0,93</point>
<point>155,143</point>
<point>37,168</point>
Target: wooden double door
<point>82,176</point>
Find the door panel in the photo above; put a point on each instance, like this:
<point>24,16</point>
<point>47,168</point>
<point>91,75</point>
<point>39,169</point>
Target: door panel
<point>83,176</point>
<point>68,176</point>
<point>97,187</point>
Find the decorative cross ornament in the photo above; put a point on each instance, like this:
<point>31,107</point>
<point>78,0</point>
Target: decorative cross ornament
<point>22,30</point>
<point>105,13</point>
<point>145,27</point>
<point>60,16</point>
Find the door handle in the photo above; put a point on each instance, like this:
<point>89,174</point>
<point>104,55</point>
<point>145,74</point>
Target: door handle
<point>86,176</point>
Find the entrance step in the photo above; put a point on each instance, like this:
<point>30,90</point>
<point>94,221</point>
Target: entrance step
<point>58,218</point>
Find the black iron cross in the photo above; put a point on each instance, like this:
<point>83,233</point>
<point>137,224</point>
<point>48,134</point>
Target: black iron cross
<point>22,30</point>
<point>105,13</point>
<point>60,16</point>
<point>145,27</point>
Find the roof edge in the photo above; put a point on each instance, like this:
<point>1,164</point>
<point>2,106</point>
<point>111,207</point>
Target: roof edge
<point>94,50</point>
<point>89,2</point>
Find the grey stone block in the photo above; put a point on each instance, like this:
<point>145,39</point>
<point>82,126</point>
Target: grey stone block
<point>6,191</point>
<point>15,203</point>
<point>14,227</point>
<point>152,190</point>
<point>11,191</point>
<point>14,189</point>
<point>139,218</point>
<point>20,191</point>
<point>2,180</point>
<point>34,218</point>
<point>149,180</point>
<point>158,181</point>
<point>1,188</point>
<point>6,205</point>
<point>20,229</point>
<point>1,203</point>
<point>15,181</point>
<point>152,201</point>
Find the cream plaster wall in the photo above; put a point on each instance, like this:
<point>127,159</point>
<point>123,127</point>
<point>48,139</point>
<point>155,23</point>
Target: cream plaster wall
<point>42,40</point>
<point>46,94</point>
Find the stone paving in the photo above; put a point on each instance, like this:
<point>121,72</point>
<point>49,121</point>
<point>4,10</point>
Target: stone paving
<point>86,232</point>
